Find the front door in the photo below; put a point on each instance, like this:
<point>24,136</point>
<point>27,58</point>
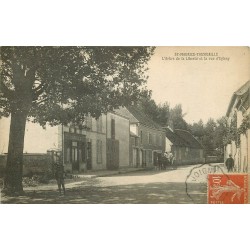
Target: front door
<point>144,159</point>
<point>134,157</point>
<point>75,157</point>
<point>140,158</point>
<point>89,156</point>
<point>155,160</point>
<point>112,154</point>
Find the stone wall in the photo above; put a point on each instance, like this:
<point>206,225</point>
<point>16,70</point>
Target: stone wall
<point>32,163</point>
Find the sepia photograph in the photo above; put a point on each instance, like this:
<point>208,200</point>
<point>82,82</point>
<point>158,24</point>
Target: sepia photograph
<point>124,125</point>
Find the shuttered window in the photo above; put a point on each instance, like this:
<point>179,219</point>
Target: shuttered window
<point>99,151</point>
<point>113,128</point>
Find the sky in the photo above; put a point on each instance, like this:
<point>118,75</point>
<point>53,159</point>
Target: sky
<point>203,87</point>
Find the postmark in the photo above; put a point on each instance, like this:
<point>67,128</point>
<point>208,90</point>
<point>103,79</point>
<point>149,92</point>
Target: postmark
<point>196,181</point>
<point>227,188</point>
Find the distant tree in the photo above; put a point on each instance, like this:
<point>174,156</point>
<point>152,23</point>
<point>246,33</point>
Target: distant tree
<point>208,138</point>
<point>197,129</point>
<point>148,105</point>
<point>211,135</point>
<point>163,114</point>
<point>220,133</point>
<point>159,113</point>
<point>177,117</point>
<point>58,85</point>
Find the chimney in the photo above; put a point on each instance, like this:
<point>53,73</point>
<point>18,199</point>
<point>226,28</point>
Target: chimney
<point>171,125</point>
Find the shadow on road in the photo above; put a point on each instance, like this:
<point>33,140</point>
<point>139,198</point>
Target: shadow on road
<point>153,193</point>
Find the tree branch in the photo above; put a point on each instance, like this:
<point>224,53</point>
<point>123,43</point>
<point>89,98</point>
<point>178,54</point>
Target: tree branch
<point>39,86</point>
<point>43,100</point>
<point>39,90</point>
<point>6,91</point>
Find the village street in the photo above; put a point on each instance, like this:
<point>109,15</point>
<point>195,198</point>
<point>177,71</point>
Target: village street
<point>141,187</point>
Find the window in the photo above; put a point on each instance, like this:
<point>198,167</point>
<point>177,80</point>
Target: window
<point>150,158</point>
<point>74,151</point>
<point>67,154</point>
<point>99,151</point>
<point>157,140</point>
<point>136,141</point>
<point>133,141</point>
<point>82,152</point>
<point>149,138</point>
<point>154,139</point>
<point>71,129</point>
<point>67,151</point>
<point>141,136</point>
<point>160,140</point>
<point>89,122</point>
<point>99,124</point>
<point>113,128</point>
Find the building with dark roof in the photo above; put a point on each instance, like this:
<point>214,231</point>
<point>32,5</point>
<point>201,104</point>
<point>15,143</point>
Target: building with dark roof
<point>147,138</point>
<point>184,146</point>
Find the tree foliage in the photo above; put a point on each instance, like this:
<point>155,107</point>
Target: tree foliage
<point>234,132</point>
<point>211,135</point>
<point>60,85</point>
<point>158,113</point>
<point>162,113</point>
<point>177,117</point>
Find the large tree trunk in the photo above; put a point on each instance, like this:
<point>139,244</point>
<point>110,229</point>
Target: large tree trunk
<point>14,167</point>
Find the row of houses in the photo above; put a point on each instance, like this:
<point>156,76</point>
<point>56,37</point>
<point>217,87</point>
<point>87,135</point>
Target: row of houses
<point>123,138</point>
<point>239,112</point>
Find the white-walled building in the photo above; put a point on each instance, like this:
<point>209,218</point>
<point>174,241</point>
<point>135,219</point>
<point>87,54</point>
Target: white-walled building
<point>239,109</point>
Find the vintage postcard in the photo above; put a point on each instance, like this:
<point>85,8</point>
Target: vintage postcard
<point>125,125</point>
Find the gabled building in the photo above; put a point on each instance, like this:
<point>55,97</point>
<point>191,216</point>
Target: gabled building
<point>239,112</point>
<point>147,138</point>
<point>184,146</point>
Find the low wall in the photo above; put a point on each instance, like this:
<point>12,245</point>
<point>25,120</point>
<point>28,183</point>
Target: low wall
<point>213,159</point>
<point>32,163</point>
<point>190,161</point>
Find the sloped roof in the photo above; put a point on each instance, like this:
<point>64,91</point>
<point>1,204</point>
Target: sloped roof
<point>124,112</point>
<point>188,138</point>
<point>135,115</point>
<point>241,91</point>
<point>174,138</point>
<point>143,118</point>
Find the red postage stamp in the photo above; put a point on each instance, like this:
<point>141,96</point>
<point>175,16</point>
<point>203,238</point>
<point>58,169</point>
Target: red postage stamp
<point>227,189</point>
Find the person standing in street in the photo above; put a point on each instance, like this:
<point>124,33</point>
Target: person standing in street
<point>230,163</point>
<point>59,175</point>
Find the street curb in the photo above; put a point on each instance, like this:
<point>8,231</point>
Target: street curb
<point>119,172</point>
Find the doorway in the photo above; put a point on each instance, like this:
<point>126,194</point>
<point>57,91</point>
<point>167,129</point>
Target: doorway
<point>75,156</point>
<point>89,156</point>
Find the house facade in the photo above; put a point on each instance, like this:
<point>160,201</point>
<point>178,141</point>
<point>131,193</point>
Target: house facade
<point>239,112</point>
<point>147,139</point>
<point>118,130</point>
<point>103,144</point>
<point>184,146</point>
